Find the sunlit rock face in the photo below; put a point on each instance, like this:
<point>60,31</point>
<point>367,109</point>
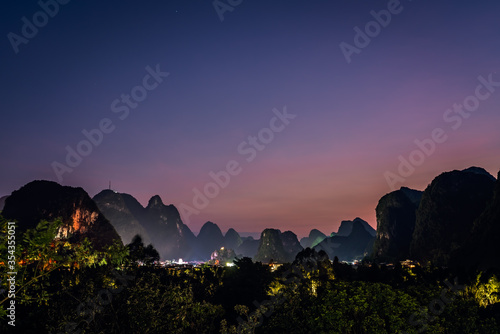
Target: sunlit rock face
<point>77,223</point>
<point>396,215</point>
<point>447,211</point>
<point>46,200</point>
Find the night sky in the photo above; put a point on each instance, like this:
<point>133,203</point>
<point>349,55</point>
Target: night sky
<point>344,119</point>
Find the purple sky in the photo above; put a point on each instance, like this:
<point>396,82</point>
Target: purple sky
<point>328,164</point>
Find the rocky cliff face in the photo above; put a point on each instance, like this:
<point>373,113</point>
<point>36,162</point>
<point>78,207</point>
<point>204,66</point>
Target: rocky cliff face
<point>125,213</point>
<point>271,247</point>
<point>447,211</point>
<point>278,247</point>
<point>169,235</point>
<point>46,200</point>
<point>396,215</point>
<point>291,244</point>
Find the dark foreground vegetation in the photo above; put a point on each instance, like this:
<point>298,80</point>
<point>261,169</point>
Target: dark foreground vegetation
<point>65,287</point>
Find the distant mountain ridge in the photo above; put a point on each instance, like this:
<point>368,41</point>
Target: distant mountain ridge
<point>157,223</point>
<point>162,226</point>
<point>456,219</point>
<point>346,227</point>
<point>353,241</point>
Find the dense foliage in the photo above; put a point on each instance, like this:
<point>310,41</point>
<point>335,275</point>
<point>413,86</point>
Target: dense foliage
<point>72,288</point>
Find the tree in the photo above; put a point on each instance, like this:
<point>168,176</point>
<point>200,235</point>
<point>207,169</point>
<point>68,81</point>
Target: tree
<point>140,254</point>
